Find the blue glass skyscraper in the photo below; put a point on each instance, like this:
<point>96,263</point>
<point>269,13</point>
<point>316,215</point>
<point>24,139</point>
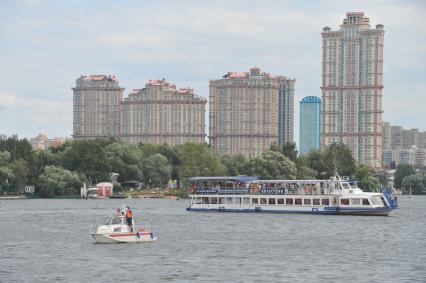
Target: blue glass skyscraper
<point>310,124</point>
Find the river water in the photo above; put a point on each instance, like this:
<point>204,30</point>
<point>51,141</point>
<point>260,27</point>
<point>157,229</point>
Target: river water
<point>45,240</point>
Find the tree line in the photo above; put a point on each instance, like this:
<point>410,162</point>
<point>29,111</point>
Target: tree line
<point>62,170</point>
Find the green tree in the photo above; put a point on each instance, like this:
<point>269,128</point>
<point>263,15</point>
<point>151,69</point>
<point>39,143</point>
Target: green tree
<point>6,171</point>
<point>414,183</point>
<point>316,161</point>
<point>57,181</point>
<point>21,172</point>
<point>125,159</point>
<point>271,165</point>
<point>306,173</point>
<point>197,159</point>
<point>289,150</point>
<point>88,157</point>
<point>401,172</point>
<point>18,149</point>
<point>339,160</point>
<point>234,164</point>
<point>365,175</point>
<point>157,170</point>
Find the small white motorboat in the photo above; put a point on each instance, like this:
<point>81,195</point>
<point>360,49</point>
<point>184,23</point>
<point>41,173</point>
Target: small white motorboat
<point>116,230</point>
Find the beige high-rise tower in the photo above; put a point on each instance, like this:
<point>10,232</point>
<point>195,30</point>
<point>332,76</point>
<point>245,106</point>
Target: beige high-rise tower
<point>96,107</point>
<point>161,113</point>
<point>244,111</point>
<point>352,84</point>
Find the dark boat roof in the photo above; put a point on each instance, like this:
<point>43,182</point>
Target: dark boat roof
<point>225,178</point>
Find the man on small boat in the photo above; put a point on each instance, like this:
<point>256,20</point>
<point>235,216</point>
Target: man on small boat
<point>129,218</point>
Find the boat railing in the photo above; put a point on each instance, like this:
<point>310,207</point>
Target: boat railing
<point>262,191</point>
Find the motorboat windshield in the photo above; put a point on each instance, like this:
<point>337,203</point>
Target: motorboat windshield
<point>113,220</point>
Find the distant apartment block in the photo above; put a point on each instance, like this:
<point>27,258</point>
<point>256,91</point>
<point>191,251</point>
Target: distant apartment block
<point>396,137</point>
<point>413,156</point>
<point>310,124</point>
<point>352,83</point>
<point>249,111</point>
<point>387,135</point>
<point>96,107</point>
<point>43,142</point>
<point>404,147</point>
<point>161,113</point>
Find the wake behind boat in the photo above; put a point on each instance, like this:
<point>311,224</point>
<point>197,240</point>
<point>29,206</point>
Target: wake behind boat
<point>248,194</point>
<point>116,229</point>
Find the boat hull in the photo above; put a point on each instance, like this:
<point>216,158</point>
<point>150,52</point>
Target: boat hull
<point>133,237</point>
<point>314,210</point>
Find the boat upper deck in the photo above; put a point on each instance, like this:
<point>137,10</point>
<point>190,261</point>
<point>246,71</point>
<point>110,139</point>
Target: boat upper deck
<point>251,185</point>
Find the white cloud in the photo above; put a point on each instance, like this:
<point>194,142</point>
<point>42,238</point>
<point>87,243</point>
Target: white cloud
<point>7,99</point>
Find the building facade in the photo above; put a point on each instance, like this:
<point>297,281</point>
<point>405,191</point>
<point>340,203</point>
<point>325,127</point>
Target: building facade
<point>43,142</point>
<point>352,83</point>
<point>97,107</point>
<point>310,124</point>
<point>413,156</point>
<point>161,113</point>
<point>286,110</point>
<point>246,111</point>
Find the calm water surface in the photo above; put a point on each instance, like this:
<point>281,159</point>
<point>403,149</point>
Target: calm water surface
<point>48,240</point>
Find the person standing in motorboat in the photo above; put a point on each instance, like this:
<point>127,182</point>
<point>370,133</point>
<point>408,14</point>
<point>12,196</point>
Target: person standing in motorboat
<point>129,218</point>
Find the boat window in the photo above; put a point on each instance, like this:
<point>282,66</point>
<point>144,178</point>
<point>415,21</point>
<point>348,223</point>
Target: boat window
<point>316,201</point>
<point>280,201</point>
<point>297,201</point>
<point>263,201</point>
<point>118,229</point>
<point>205,200</point>
<point>107,220</point>
<point>344,201</point>
<point>229,200</point>
<point>271,201</point>
<point>325,201</point>
<point>221,200</point>
<point>356,201</point>
<point>307,201</point>
<point>375,201</point>
<point>213,200</point>
<point>254,201</point>
<point>346,186</point>
<point>246,200</point>
<point>116,221</point>
<point>365,201</point>
<point>289,201</point>
<point>237,200</point>
<point>354,186</point>
<point>198,200</point>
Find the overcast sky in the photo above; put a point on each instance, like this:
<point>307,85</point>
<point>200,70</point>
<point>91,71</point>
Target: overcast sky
<point>46,45</point>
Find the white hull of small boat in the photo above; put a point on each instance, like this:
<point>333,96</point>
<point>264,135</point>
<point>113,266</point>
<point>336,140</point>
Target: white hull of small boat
<point>117,230</point>
<point>132,237</point>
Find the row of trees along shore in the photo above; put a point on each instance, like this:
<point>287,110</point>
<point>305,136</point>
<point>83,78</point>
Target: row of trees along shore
<point>62,170</point>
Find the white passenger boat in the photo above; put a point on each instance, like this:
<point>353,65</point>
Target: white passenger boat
<point>116,230</point>
<point>248,194</point>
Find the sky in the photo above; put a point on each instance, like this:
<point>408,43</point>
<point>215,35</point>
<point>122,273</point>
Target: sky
<point>46,45</point>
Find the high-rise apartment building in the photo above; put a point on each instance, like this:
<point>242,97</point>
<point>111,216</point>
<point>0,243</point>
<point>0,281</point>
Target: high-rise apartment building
<point>352,83</point>
<point>96,107</point>
<point>161,113</point>
<point>246,109</point>
<point>396,135</point>
<point>387,135</point>
<point>410,138</point>
<point>286,111</point>
<point>310,124</point>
